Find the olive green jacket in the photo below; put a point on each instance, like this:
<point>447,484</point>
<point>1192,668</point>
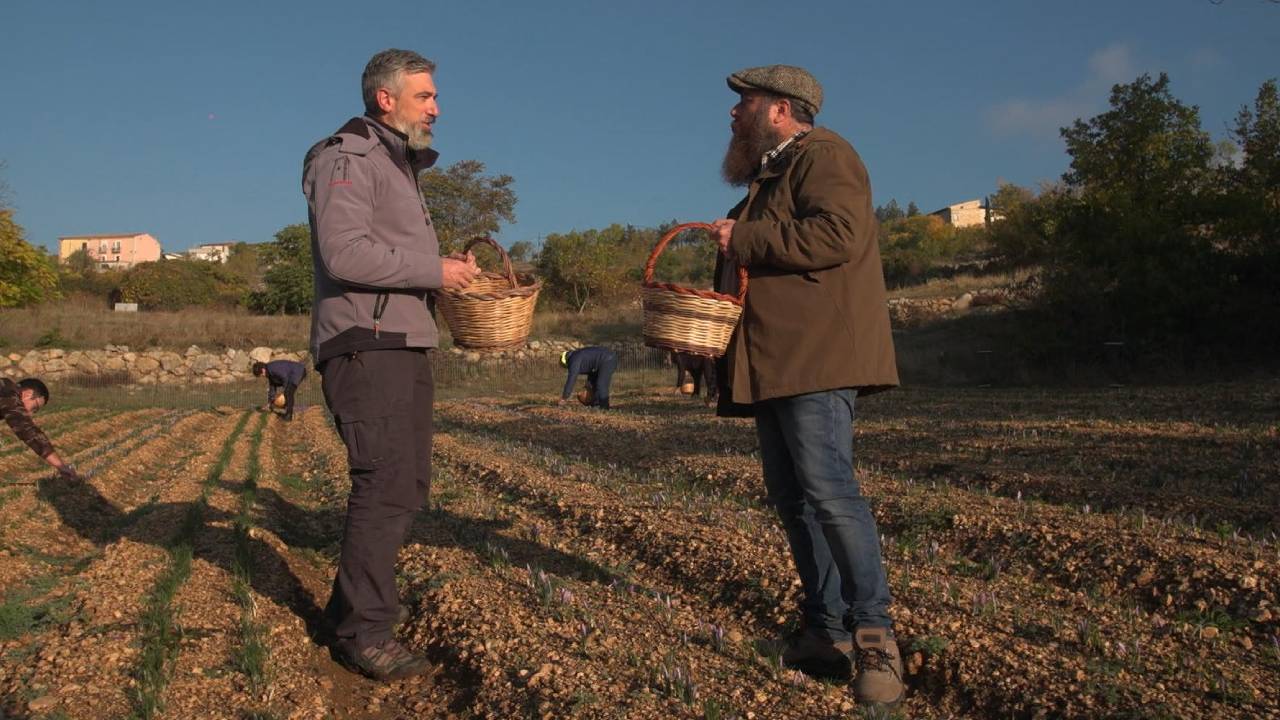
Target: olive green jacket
<point>816,316</point>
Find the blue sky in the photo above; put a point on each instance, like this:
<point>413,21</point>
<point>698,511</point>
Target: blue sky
<point>189,121</point>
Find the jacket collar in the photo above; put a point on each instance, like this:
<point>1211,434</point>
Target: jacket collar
<point>776,160</point>
<point>397,143</point>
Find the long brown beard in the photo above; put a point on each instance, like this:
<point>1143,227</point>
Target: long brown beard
<point>746,147</point>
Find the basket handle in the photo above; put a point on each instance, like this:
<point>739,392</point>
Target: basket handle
<point>662,245</point>
<point>506,259</point>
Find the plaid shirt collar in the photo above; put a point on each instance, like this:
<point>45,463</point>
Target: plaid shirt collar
<point>774,153</point>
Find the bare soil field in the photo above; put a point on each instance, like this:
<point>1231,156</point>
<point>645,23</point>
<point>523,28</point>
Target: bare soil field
<point>1052,553</point>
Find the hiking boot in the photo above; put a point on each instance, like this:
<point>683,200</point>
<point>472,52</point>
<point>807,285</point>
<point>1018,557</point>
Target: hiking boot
<point>817,655</point>
<point>388,660</point>
<point>879,667</point>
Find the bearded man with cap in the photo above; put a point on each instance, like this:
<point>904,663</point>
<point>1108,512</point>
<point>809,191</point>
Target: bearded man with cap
<point>814,336</point>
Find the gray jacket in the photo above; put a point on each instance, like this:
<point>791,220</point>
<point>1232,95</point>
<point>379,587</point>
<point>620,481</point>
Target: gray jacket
<point>372,242</point>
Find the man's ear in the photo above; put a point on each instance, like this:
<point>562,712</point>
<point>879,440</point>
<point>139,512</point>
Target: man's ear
<point>784,109</point>
<point>386,101</point>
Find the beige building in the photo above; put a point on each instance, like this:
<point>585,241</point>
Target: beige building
<point>965,214</point>
<point>112,252</point>
<point>213,252</point>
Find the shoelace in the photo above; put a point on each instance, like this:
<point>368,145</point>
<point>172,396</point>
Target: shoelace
<point>388,653</point>
<point>874,659</point>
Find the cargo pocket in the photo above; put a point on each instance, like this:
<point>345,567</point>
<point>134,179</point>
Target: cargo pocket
<point>364,453</point>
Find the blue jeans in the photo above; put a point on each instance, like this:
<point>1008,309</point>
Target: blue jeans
<point>806,447</point>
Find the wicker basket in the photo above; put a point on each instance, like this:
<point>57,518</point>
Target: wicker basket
<point>699,322</point>
<point>495,312</point>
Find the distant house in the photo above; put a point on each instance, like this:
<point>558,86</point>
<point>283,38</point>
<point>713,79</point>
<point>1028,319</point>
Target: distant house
<point>111,252</point>
<point>213,252</point>
<point>966,214</point>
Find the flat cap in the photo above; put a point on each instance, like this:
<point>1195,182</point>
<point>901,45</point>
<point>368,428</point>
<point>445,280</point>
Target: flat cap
<point>789,80</point>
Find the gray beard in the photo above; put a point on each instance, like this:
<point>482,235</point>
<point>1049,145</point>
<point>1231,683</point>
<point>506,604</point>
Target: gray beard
<point>417,139</point>
<point>742,159</point>
<point>420,139</point>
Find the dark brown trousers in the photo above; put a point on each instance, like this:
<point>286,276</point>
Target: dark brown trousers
<point>381,402</point>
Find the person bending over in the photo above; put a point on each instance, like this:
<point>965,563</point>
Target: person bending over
<point>19,401</point>
<point>598,364</point>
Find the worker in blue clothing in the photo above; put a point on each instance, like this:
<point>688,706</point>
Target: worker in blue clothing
<point>598,364</point>
<point>283,376</point>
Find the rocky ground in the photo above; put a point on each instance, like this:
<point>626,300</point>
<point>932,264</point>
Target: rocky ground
<point>1052,554</point>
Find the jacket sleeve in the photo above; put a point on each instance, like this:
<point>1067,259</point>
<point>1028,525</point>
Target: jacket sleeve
<point>344,207</point>
<point>25,428</point>
<point>575,368</point>
<point>829,192</point>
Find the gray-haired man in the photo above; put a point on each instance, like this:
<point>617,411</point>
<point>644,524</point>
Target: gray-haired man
<point>376,261</point>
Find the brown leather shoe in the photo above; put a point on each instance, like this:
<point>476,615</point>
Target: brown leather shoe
<point>878,665</point>
<point>817,655</point>
<point>388,660</point>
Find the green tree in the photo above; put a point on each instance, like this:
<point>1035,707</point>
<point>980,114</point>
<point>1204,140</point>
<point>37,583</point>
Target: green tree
<point>1131,253</point>
<point>243,261</point>
<point>1022,223</point>
<point>4,189</point>
<point>583,266</point>
<point>178,284</point>
<point>1257,132</point>
<point>288,284</point>
<point>1147,150</point>
<point>1251,203</point>
<point>465,203</point>
<point>912,210</point>
<point>889,211</point>
<point>911,245</point>
<point>26,277</point>
<point>521,251</point>
<point>80,262</point>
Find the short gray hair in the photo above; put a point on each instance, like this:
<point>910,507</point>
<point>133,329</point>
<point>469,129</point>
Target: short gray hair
<point>387,70</point>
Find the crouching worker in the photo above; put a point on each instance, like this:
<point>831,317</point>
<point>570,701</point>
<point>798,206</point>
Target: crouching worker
<point>18,402</point>
<point>695,373</point>
<point>598,364</point>
<point>283,378</point>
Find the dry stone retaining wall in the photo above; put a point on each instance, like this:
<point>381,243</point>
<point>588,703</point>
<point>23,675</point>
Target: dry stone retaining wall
<point>120,364</point>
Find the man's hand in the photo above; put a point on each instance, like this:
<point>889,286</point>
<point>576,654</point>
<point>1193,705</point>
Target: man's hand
<point>722,233</point>
<point>468,258</point>
<point>68,472</point>
<point>458,274</point>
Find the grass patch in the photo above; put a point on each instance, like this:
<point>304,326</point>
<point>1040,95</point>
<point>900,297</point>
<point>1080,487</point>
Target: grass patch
<point>160,633</point>
<point>20,613</point>
<point>251,658</point>
<point>294,483</point>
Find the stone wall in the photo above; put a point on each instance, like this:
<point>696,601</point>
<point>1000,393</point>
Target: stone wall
<point>909,312</point>
<point>118,364</point>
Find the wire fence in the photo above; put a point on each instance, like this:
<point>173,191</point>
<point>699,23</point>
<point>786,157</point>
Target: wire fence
<point>454,377</point>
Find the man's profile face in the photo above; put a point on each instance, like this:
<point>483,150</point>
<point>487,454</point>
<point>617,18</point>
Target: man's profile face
<point>31,401</point>
<point>753,136</point>
<point>751,112</point>
<point>414,109</point>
